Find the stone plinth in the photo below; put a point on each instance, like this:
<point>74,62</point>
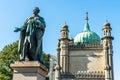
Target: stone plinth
<point>28,70</point>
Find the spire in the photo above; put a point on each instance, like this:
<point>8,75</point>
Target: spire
<point>86,17</point>
<point>86,27</point>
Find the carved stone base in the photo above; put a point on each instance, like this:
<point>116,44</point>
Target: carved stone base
<point>28,70</point>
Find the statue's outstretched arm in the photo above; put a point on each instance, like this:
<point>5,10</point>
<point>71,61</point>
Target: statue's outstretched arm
<point>22,27</point>
<point>19,29</point>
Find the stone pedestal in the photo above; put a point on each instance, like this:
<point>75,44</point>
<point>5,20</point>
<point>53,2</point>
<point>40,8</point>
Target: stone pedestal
<point>28,70</point>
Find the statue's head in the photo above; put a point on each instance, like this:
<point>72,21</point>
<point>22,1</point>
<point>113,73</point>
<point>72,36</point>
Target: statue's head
<point>36,10</point>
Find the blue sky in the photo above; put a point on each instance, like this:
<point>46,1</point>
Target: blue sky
<point>56,12</point>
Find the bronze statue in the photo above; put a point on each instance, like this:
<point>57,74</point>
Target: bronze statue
<point>31,33</point>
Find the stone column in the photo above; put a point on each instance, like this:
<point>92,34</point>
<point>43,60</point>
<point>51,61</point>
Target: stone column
<point>29,70</point>
<point>107,67</point>
<point>57,67</point>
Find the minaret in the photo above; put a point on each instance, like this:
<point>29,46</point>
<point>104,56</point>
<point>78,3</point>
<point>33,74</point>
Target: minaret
<point>64,41</point>
<point>62,53</point>
<point>108,51</point>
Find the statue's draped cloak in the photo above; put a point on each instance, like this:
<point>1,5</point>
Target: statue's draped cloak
<point>31,33</point>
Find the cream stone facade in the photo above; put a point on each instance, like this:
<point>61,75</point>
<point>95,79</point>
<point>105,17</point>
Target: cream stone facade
<point>87,56</point>
<point>86,61</point>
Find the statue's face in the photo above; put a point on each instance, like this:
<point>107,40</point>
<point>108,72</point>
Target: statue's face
<point>36,11</point>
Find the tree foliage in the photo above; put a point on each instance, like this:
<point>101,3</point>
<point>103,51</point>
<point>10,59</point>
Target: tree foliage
<point>46,59</point>
<point>9,55</point>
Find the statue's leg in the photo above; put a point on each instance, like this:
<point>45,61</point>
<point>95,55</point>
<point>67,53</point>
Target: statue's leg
<point>38,44</point>
<point>39,34</point>
<point>39,50</point>
<point>25,50</point>
<point>31,51</point>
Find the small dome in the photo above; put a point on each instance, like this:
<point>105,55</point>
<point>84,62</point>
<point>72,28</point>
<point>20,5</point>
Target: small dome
<point>87,36</point>
<point>106,24</point>
<point>65,27</point>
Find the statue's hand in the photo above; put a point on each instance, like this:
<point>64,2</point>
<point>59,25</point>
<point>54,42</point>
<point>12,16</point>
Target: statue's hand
<point>42,28</point>
<point>17,29</point>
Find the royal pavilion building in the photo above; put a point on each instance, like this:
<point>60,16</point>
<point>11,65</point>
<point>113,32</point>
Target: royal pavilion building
<point>87,56</point>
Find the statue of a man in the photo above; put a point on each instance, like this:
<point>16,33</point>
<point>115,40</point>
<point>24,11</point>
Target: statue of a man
<point>31,33</point>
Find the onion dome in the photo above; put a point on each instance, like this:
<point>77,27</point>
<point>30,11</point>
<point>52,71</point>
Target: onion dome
<point>87,36</point>
<point>65,27</point>
<point>64,31</point>
<point>107,25</point>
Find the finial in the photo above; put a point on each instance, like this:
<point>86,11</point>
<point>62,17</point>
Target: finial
<point>87,17</point>
<point>65,23</point>
<point>106,23</point>
<point>106,20</point>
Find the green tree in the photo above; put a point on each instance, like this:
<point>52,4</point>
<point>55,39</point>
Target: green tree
<point>46,59</point>
<point>9,55</point>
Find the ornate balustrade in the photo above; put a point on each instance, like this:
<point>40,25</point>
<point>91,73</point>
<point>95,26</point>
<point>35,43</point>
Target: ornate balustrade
<point>84,75</point>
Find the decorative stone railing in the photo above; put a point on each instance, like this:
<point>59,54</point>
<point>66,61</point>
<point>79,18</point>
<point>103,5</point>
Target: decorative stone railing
<point>89,74</point>
<point>84,75</point>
